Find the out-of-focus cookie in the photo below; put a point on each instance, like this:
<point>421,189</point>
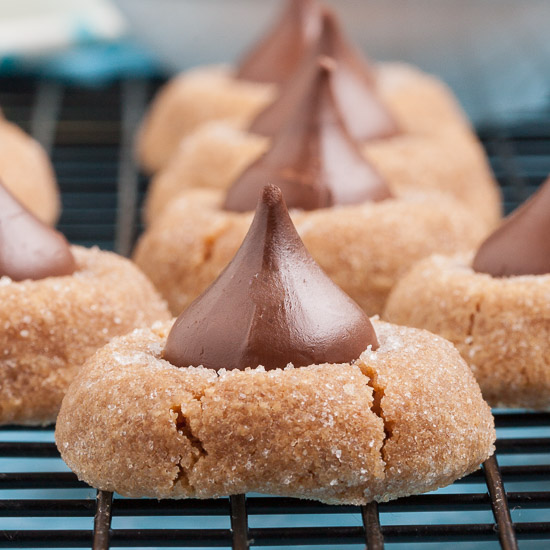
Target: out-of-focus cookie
<point>26,171</point>
<point>411,147</point>
<point>209,93</point>
<point>419,101</point>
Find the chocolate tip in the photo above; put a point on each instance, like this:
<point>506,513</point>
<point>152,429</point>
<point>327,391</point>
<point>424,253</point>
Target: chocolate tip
<point>271,195</point>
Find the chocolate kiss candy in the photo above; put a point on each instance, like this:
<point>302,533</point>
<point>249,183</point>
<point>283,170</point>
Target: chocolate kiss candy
<point>29,249</point>
<point>521,245</point>
<point>312,159</point>
<point>272,305</point>
<point>280,52</point>
<point>364,115</point>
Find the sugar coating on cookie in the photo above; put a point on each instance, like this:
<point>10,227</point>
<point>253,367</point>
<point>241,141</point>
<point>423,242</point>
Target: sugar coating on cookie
<point>51,326</point>
<point>406,418</point>
<point>501,326</point>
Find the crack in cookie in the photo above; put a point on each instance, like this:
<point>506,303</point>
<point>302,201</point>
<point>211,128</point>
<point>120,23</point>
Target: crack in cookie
<point>378,392</point>
<point>183,427</point>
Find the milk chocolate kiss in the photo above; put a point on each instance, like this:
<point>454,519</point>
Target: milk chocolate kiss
<point>279,53</point>
<point>363,113</point>
<point>312,159</point>
<point>521,245</point>
<point>272,305</point>
<point>29,249</point>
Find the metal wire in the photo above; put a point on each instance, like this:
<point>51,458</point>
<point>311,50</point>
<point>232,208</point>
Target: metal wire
<point>239,523</point>
<point>45,113</point>
<point>371,522</point>
<point>102,521</point>
<point>133,101</point>
<point>499,503</point>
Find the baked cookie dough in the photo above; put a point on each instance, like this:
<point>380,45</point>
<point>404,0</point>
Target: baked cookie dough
<point>363,248</point>
<point>52,325</point>
<point>501,326</point>
<point>188,100</point>
<point>27,172</point>
<point>339,87</point>
<point>353,225</point>
<point>420,102</point>
<point>495,307</point>
<point>275,381</point>
<point>404,419</point>
<point>453,161</point>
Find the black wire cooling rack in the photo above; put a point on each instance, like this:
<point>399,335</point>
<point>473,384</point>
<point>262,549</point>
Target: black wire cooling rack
<point>89,134</point>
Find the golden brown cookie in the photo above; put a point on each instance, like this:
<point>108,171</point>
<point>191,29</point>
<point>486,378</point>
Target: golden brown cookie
<point>421,104</point>
<point>404,419</point>
<point>52,325</point>
<point>501,326</point>
<point>453,161</point>
<point>494,305</point>
<point>189,100</point>
<point>363,248</point>
<point>27,172</point>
